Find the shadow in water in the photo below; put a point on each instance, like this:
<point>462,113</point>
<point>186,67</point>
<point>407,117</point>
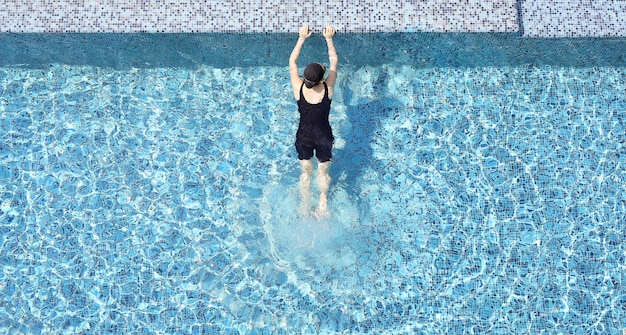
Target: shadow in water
<point>352,161</point>
<point>147,50</point>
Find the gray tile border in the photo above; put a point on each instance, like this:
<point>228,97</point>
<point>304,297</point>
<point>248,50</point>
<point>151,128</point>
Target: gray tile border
<point>532,18</point>
<point>257,15</point>
<point>573,18</point>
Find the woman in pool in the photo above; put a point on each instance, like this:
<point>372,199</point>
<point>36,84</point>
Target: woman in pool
<point>314,94</point>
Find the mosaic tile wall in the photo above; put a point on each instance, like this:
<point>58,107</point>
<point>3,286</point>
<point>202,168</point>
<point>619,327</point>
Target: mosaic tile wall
<point>256,15</point>
<point>573,18</point>
<point>533,18</point>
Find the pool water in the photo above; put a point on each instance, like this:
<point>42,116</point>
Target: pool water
<point>477,187</point>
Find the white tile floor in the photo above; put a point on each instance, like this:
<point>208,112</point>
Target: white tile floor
<point>573,18</point>
<point>257,15</point>
<point>539,18</point>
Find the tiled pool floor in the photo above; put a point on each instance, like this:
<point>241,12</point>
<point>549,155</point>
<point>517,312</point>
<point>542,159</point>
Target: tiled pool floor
<point>484,199</point>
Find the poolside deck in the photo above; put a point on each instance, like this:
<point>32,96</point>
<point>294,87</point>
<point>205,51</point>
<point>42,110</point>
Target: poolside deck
<point>537,18</point>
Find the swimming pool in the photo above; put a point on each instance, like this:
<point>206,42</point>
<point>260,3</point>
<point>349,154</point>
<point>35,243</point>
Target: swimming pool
<point>149,185</point>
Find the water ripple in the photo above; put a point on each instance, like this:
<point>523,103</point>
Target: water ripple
<point>463,200</point>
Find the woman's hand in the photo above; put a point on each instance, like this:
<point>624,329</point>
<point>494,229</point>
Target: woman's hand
<point>305,31</point>
<point>329,31</point>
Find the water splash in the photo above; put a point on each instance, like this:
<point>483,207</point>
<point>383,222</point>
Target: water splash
<point>305,241</point>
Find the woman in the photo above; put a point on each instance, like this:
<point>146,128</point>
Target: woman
<point>314,95</point>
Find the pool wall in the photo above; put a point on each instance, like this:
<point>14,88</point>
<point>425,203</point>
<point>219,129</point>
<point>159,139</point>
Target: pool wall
<point>537,18</point>
<point>227,50</point>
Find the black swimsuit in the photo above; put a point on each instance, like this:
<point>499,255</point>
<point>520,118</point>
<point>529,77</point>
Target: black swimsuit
<point>314,131</point>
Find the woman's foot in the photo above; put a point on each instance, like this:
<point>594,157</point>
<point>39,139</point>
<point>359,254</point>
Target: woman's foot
<point>322,208</point>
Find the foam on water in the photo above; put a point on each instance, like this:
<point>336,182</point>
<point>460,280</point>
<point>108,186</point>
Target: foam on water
<point>305,240</point>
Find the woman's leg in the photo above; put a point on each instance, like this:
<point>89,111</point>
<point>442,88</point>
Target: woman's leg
<point>323,182</point>
<point>306,168</point>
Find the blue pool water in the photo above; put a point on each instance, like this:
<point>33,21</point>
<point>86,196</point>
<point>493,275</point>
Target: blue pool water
<point>148,185</point>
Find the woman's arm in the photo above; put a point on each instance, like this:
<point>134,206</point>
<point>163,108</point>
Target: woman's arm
<point>329,32</point>
<point>296,81</point>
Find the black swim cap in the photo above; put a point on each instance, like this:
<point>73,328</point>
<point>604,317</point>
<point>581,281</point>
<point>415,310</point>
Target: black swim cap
<point>313,74</point>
